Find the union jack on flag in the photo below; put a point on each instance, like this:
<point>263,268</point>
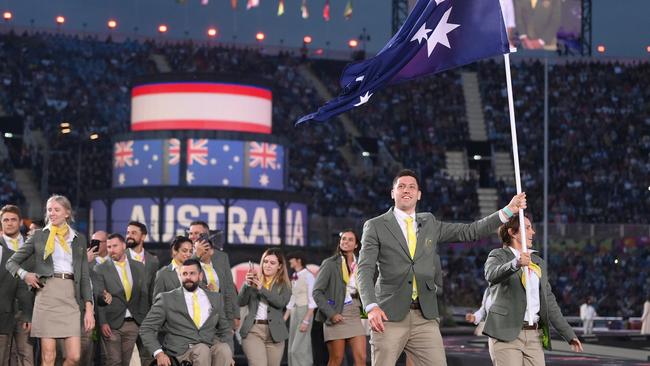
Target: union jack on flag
<point>174,151</point>
<point>123,155</point>
<point>197,151</point>
<point>263,155</point>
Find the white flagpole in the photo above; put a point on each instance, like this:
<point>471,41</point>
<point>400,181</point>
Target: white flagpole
<point>515,157</point>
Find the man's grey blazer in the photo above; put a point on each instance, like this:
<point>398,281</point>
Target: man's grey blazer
<point>221,265</point>
<point>170,316</point>
<point>107,278</point>
<point>384,247</point>
<point>505,317</point>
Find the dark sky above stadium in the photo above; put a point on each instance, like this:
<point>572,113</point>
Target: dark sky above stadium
<point>621,26</point>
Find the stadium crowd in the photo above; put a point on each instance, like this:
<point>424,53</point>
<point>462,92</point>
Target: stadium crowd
<point>48,79</point>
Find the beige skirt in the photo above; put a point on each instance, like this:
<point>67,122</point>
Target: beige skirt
<point>56,312</point>
<point>350,326</point>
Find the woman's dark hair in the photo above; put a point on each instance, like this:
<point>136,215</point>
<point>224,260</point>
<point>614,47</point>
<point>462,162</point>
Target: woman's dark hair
<point>178,241</point>
<point>512,223</point>
<point>337,250</point>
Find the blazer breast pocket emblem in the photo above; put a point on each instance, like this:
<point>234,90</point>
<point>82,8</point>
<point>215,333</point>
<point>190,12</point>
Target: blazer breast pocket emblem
<point>429,243</point>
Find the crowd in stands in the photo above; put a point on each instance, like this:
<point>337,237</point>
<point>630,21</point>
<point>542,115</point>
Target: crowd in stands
<point>599,140</point>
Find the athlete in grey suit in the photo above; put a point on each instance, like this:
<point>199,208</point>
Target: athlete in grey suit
<point>119,315</point>
<point>513,341</point>
<point>168,277</point>
<point>207,252</point>
<point>199,338</point>
<point>11,288</point>
<point>411,313</point>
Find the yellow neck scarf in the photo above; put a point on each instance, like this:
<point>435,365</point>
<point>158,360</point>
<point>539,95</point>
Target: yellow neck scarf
<point>535,268</point>
<point>60,232</point>
<point>344,270</point>
<point>268,283</point>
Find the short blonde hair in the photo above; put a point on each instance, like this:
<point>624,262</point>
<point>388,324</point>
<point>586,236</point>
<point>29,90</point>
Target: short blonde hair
<point>63,201</point>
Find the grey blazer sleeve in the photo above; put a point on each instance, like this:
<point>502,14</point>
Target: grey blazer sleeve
<point>151,324</point>
<point>367,263</point>
<point>86,285</point>
<point>245,295</point>
<point>228,286</point>
<point>16,260</point>
<point>223,326</point>
<point>555,316</point>
<point>498,268</point>
<point>320,286</point>
<point>278,299</point>
<point>25,301</point>
<point>99,288</point>
<point>449,232</point>
<point>158,284</point>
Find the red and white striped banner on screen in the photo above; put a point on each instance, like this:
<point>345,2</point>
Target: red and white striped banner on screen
<point>201,106</point>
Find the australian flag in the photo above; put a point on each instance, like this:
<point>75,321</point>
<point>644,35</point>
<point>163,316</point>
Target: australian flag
<point>215,163</point>
<point>264,165</point>
<point>142,163</point>
<point>438,35</point>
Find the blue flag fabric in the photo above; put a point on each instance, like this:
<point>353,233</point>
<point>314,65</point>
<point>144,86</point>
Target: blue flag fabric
<point>437,35</point>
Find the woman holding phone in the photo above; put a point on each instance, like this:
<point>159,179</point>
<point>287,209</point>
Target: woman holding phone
<point>335,293</point>
<point>266,294</point>
<point>64,299</point>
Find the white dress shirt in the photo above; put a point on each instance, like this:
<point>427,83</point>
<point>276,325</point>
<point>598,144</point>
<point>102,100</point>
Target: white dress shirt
<point>9,241</point>
<point>135,255</point>
<point>533,287</point>
<point>60,258</point>
<point>204,304</point>
<point>212,270</point>
<point>130,278</point>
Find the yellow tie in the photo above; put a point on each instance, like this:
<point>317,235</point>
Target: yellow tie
<point>533,3</point>
<point>125,280</point>
<point>412,241</point>
<point>14,244</point>
<point>211,280</point>
<point>196,317</point>
<point>60,232</point>
<point>138,257</point>
<point>535,268</point>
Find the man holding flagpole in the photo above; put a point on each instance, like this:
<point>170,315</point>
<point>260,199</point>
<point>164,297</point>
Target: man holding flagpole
<point>519,329</point>
<point>402,305</point>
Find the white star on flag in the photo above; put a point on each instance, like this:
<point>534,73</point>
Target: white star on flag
<point>190,176</point>
<point>145,181</point>
<point>121,178</point>
<point>213,161</point>
<point>226,148</point>
<point>145,147</point>
<point>154,157</point>
<point>422,34</point>
<point>364,99</point>
<point>225,181</point>
<point>360,78</point>
<point>235,159</point>
<point>264,180</point>
<point>439,34</point>
<point>136,162</point>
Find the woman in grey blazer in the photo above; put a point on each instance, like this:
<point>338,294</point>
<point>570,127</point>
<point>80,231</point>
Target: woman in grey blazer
<point>63,302</point>
<point>339,307</point>
<point>167,278</point>
<point>264,331</point>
